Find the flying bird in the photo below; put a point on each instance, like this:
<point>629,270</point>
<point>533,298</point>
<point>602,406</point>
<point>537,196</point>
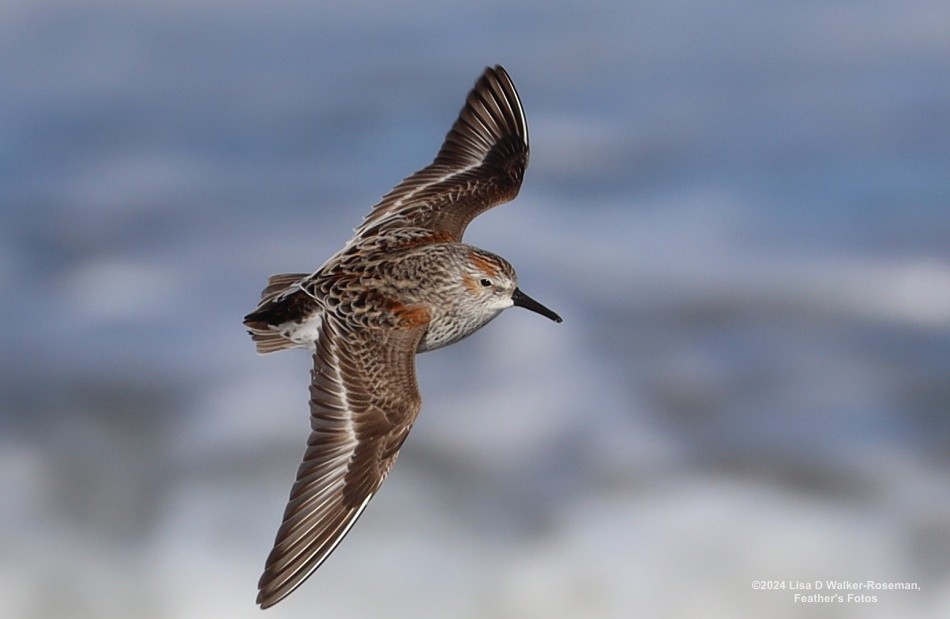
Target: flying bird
<point>404,284</point>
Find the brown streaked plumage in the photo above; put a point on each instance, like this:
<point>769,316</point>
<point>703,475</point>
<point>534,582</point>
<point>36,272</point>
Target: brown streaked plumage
<point>404,284</point>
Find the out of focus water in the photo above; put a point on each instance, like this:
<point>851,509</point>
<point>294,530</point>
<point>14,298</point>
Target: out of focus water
<point>741,209</point>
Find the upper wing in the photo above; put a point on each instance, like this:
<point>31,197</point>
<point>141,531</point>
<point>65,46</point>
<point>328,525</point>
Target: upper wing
<point>363,401</point>
<point>481,164</point>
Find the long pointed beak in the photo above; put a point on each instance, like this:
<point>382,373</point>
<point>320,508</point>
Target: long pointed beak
<point>522,300</point>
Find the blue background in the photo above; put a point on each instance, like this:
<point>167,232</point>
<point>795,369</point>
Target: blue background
<point>741,209</point>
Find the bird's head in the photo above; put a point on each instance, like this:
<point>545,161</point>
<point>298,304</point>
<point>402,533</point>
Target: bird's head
<point>490,282</point>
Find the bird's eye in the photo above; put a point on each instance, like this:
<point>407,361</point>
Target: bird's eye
<point>485,282</point>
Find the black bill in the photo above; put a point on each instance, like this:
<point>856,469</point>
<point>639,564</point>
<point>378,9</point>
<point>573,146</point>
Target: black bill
<point>522,300</point>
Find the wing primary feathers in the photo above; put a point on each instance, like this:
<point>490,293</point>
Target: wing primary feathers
<point>363,401</point>
<point>481,164</point>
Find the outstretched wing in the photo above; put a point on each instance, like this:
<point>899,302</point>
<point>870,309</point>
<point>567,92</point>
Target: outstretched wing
<point>363,402</point>
<point>481,164</point>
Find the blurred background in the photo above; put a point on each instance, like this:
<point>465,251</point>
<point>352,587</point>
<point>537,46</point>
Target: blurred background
<point>741,209</point>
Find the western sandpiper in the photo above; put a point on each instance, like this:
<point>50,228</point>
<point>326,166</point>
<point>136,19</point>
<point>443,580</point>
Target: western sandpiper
<point>404,284</point>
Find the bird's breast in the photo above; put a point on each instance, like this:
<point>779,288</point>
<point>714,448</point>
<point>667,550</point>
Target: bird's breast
<point>450,327</point>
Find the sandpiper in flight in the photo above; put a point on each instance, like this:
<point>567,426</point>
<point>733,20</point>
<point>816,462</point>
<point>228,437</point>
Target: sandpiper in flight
<point>404,284</point>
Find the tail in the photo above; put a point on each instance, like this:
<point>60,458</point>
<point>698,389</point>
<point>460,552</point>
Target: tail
<point>283,306</point>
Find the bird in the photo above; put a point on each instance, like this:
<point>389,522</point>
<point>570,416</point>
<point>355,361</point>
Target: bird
<point>403,284</point>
